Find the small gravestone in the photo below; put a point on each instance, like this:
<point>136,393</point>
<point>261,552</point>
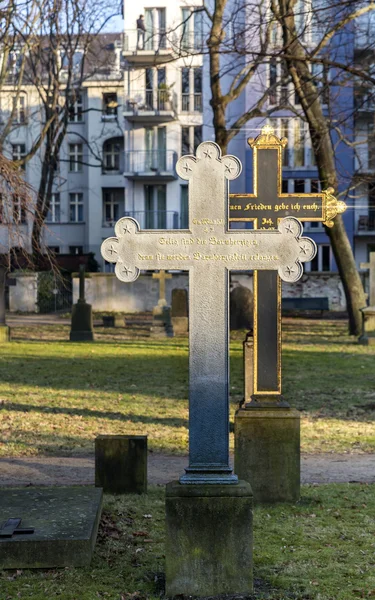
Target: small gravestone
<point>121,463</point>
<point>241,308</point>
<point>161,314</point>
<point>368,333</point>
<point>179,311</point>
<point>82,328</point>
<point>49,527</point>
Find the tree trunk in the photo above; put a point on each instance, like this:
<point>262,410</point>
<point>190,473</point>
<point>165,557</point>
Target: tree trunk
<point>325,159</point>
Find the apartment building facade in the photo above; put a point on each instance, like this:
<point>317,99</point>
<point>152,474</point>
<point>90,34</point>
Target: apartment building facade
<point>163,112</point>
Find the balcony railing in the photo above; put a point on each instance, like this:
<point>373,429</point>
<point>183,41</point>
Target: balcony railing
<point>155,219</point>
<point>150,161</point>
<point>191,100</point>
<point>366,223</point>
<point>151,41</point>
<point>152,100</point>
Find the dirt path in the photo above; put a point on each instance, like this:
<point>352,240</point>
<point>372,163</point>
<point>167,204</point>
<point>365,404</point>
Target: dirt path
<point>318,468</point>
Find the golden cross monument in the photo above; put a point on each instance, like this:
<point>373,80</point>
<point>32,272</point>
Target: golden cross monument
<point>162,276</point>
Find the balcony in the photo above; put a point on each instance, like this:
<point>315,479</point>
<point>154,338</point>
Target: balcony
<point>151,165</point>
<point>366,224</point>
<point>155,219</point>
<point>151,107</point>
<point>151,49</point>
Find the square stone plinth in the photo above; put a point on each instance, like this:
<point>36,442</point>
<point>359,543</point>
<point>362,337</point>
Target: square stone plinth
<point>121,463</point>
<point>65,520</point>
<point>209,539</point>
<point>267,453</point>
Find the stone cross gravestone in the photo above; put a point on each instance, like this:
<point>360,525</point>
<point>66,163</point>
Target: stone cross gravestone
<point>368,333</point>
<point>162,276</point>
<point>82,329</point>
<point>265,207</point>
<point>195,563</point>
<point>208,257</point>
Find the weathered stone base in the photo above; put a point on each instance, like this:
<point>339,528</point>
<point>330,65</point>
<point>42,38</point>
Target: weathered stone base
<point>161,322</point>
<point>65,520</point>
<point>82,324</point>
<point>121,463</point>
<point>367,340</point>
<point>209,539</point>
<point>267,453</point>
<point>180,325</point>
<point>4,333</point>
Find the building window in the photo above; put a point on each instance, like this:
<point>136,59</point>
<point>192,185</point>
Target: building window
<point>299,143</point>
<point>76,109</point>
<point>75,157</point>
<point>185,140</point>
<point>111,208</point>
<point>54,214</point>
<point>191,137</point>
<point>111,154</point>
<point>19,210</point>
<point>197,136</point>
<point>185,89</point>
<point>198,29</point>
<point>322,260</point>
<point>54,249</point>
<point>19,109</point>
<point>299,186</point>
<point>285,186</point>
<point>76,208</point>
<point>77,250</point>
<point>273,81</point>
<point>197,76</point>
<point>18,153</point>
<point>110,105</point>
<point>184,207</point>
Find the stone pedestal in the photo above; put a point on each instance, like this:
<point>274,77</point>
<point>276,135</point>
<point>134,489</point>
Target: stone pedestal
<point>368,335</point>
<point>4,333</point>
<point>121,463</point>
<point>180,325</point>
<point>267,453</point>
<point>161,321</point>
<point>82,323</point>
<point>209,546</point>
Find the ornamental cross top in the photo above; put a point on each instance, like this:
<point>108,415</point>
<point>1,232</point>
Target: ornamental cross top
<point>162,276</point>
<point>208,250</point>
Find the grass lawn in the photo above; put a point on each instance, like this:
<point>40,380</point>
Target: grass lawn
<point>322,548</point>
<point>56,396</point>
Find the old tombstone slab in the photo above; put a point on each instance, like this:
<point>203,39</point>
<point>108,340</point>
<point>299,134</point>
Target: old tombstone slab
<point>368,334</point>
<point>273,470</point>
<point>62,523</point>
<point>4,329</point>
<point>208,250</point>
<point>179,311</point>
<point>82,328</point>
<point>241,308</point>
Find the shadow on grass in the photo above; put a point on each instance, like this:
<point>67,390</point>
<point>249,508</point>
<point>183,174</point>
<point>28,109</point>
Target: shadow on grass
<point>86,412</point>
